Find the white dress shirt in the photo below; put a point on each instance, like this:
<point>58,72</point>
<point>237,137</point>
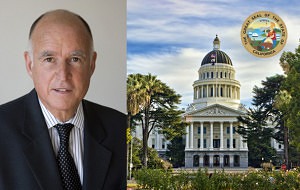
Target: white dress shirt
<point>76,135</point>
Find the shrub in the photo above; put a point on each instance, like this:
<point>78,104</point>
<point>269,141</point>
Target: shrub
<point>157,179</point>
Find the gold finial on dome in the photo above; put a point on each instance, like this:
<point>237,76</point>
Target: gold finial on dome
<point>216,43</point>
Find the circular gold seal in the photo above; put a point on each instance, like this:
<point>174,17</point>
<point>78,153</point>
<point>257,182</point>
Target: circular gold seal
<point>264,34</point>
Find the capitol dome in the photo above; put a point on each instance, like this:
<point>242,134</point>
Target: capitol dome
<point>216,55</point>
<point>216,83</point>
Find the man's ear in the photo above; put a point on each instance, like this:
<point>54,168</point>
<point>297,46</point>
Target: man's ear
<point>93,62</point>
<point>28,62</point>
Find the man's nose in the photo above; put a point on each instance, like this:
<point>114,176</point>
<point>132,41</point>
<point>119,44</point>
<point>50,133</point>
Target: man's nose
<point>63,71</point>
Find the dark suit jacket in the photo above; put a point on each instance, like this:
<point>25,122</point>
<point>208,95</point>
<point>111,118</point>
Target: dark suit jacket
<point>27,159</point>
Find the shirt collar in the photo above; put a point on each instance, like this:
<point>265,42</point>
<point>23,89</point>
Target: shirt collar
<point>51,121</point>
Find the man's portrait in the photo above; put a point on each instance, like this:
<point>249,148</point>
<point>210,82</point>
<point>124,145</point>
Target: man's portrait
<point>63,127</point>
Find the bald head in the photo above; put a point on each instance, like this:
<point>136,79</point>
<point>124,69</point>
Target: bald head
<point>63,18</point>
<point>61,15</point>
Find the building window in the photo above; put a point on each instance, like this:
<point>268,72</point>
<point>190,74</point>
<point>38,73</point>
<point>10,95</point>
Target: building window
<point>233,130</point>
<point>234,143</point>
<point>153,143</point>
<point>228,130</point>
<point>225,75</point>
<point>236,160</point>
<point>221,75</point>
<point>221,93</point>
<point>228,143</point>
<point>199,130</point>
<point>216,143</point>
<point>163,144</point>
<point>279,146</point>
<point>212,75</point>
<point>207,75</point>
<point>196,161</point>
<point>226,160</point>
<point>204,143</point>
<point>199,143</point>
<point>211,92</point>
<point>216,160</point>
<point>204,130</point>
<point>206,160</point>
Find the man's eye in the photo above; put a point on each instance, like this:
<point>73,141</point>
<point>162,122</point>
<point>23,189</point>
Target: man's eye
<point>49,59</point>
<point>75,59</point>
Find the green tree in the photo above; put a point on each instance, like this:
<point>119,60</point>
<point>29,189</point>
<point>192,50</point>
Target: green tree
<point>154,161</point>
<point>290,63</point>
<point>156,108</point>
<point>136,98</point>
<point>264,113</point>
<point>175,152</point>
<point>282,101</point>
<point>258,136</point>
<point>265,98</point>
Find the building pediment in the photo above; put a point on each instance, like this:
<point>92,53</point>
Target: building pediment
<point>213,110</point>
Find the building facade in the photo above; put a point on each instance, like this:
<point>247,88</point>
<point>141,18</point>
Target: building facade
<point>156,140</point>
<point>211,140</point>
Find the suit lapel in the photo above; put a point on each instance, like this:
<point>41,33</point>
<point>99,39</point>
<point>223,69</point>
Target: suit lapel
<point>96,156</point>
<point>39,151</point>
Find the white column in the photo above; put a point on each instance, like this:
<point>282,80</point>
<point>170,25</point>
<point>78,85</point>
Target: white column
<point>187,139</point>
<point>201,160</point>
<point>201,135</point>
<point>246,143</point>
<point>231,136</point>
<point>214,90</point>
<point>231,160</point>
<point>211,160</point>
<point>207,91</point>
<point>202,91</point>
<point>241,142</point>
<point>221,136</point>
<point>157,141</point>
<point>192,136</point>
<point>221,160</point>
<point>211,135</point>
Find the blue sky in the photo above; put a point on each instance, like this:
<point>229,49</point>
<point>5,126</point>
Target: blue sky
<point>169,39</point>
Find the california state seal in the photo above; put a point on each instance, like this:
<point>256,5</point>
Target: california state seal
<point>264,34</point>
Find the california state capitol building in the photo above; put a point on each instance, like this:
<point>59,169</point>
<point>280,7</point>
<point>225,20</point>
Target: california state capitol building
<point>211,139</point>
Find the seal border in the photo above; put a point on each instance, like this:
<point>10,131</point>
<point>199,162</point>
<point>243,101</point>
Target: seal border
<point>244,35</point>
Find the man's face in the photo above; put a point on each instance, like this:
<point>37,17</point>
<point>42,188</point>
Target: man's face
<point>61,65</point>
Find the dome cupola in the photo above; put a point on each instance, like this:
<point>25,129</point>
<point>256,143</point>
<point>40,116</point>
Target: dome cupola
<point>216,43</point>
<point>216,55</point>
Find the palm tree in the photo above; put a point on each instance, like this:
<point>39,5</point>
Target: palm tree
<point>135,101</point>
<point>152,87</point>
<point>153,105</point>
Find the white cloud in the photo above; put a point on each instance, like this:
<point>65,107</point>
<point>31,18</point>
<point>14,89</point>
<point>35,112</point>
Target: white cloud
<point>178,71</point>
